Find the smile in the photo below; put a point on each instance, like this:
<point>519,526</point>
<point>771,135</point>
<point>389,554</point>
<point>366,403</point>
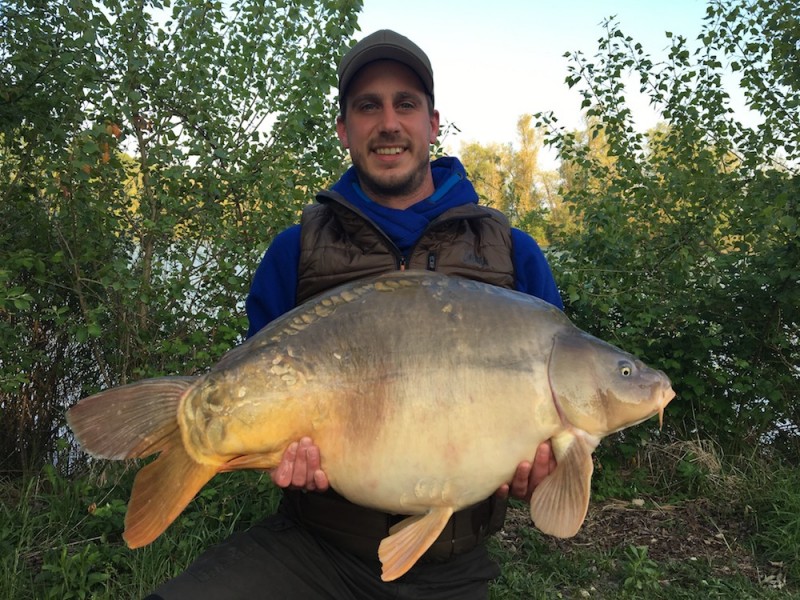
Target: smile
<point>389,151</point>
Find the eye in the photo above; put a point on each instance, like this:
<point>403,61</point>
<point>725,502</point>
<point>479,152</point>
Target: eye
<point>625,369</point>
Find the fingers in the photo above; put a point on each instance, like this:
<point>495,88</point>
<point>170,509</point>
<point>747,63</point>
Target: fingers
<point>518,487</point>
<point>305,463</point>
<point>300,467</point>
<point>282,474</point>
<point>503,491</point>
<point>544,463</point>
<point>520,484</point>
<point>321,480</point>
<point>530,474</point>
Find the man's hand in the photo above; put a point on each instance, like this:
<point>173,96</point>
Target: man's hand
<point>529,475</point>
<point>300,468</point>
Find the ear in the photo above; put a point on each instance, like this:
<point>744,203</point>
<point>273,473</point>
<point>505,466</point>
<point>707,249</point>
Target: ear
<point>341,131</point>
<point>434,126</point>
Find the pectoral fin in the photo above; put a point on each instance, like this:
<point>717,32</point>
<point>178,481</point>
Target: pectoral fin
<point>262,462</point>
<point>409,539</point>
<point>560,502</point>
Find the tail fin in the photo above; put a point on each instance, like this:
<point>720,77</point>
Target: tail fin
<point>131,421</point>
<point>134,421</point>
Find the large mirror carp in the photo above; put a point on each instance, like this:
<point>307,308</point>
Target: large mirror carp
<point>423,392</point>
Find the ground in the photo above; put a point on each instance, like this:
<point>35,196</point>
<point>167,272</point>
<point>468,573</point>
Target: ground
<point>697,530</point>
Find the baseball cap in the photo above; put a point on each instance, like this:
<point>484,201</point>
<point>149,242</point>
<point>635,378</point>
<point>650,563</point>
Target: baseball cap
<point>385,45</point>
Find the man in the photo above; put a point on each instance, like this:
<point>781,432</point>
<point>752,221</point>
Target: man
<point>393,209</point>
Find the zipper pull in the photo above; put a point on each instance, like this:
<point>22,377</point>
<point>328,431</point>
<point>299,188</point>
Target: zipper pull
<point>431,262</point>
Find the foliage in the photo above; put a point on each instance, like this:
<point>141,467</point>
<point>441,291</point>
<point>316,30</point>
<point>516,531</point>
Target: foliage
<point>510,180</point>
<point>641,574</point>
<point>148,153</point>
<point>687,252</point>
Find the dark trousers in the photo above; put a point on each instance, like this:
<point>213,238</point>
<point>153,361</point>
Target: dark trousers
<point>278,559</point>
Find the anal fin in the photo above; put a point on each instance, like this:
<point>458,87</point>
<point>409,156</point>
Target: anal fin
<point>161,491</point>
<point>409,539</point>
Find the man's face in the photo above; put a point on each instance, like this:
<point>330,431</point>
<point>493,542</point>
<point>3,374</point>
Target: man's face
<point>388,129</point>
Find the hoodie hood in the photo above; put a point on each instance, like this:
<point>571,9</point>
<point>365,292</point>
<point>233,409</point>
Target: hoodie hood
<point>405,227</point>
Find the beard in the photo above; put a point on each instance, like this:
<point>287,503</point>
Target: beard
<point>388,184</point>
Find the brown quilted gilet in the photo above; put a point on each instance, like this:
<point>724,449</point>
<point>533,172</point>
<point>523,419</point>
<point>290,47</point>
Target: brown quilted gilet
<point>340,244</point>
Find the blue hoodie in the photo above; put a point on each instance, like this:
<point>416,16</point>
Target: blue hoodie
<point>274,285</point>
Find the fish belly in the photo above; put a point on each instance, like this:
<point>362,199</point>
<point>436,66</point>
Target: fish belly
<point>442,444</point>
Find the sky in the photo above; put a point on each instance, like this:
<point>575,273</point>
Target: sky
<point>495,60</point>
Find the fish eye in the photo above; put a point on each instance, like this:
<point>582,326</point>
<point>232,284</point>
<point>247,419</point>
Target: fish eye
<point>625,369</point>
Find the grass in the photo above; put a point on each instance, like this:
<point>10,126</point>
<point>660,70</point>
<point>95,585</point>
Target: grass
<point>683,524</point>
<point>61,539</point>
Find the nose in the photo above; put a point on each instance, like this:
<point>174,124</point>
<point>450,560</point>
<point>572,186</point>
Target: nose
<point>389,120</point>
